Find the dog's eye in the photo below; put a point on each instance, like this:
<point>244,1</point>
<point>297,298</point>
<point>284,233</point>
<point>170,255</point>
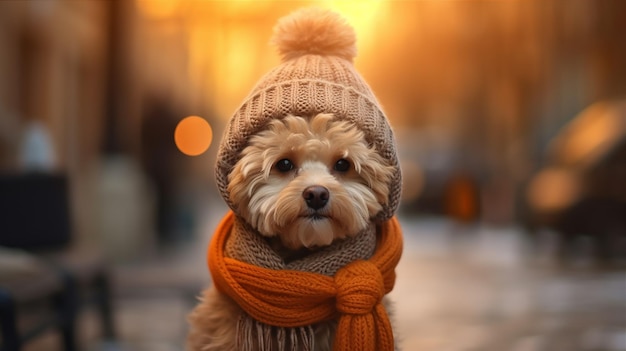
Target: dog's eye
<point>342,165</point>
<point>284,165</point>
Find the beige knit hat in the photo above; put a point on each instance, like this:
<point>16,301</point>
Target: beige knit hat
<point>316,75</point>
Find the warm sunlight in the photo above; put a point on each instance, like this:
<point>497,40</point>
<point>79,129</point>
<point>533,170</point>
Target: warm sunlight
<point>228,41</point>
<point>362,15</point>
<point>158,9</point>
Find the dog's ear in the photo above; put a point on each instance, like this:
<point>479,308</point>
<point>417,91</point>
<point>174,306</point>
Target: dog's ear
<point>378,174</point>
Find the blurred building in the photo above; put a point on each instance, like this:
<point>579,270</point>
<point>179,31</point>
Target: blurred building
<point>474,89</point>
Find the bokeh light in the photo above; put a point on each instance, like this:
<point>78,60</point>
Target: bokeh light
<point>193,135</point>
<point>553,189</point>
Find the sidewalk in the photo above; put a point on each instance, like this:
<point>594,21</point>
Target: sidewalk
<point>480,289</point>
<point>473,288</point>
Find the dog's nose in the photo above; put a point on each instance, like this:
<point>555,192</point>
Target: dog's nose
<point>315,196</point>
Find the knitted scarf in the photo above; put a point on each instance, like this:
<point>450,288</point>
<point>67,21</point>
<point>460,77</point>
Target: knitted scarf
<point>346,280</point>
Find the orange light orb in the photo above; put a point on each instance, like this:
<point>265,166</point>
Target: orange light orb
<point>193,135</point>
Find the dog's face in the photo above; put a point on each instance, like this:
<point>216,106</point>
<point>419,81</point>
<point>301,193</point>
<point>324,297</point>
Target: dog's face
<point>309,181</point>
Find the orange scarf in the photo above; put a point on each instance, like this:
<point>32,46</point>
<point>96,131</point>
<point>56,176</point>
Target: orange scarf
<point>289,298</point>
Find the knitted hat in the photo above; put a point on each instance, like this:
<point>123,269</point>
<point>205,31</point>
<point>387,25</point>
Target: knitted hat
<point>316,75</point>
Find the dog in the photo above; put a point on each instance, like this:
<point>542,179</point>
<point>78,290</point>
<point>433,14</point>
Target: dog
<point>309,169</point>
<point>302,183</point>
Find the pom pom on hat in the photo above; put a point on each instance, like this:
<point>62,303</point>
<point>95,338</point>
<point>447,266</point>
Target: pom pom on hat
<point>314,31</point>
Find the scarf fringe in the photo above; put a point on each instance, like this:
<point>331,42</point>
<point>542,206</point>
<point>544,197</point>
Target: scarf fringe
<point>253,335</point>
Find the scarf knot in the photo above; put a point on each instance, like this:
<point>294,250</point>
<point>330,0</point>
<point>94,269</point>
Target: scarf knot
<point>360,288</point>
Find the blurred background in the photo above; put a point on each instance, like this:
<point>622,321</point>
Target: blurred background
<point>510,118</point>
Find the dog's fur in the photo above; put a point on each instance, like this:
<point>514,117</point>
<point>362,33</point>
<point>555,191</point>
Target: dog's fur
<point>274,196</point>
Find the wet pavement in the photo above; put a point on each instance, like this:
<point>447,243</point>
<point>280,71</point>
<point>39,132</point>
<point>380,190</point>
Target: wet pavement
<point>481,288</point>
<point>458,288</point>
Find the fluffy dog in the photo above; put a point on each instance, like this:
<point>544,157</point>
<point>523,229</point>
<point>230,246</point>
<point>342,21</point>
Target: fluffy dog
<point>302,183</point>
<point>308,167</point>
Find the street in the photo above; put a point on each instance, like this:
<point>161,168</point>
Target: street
<point>480,288</point>
<point>458,288</point>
